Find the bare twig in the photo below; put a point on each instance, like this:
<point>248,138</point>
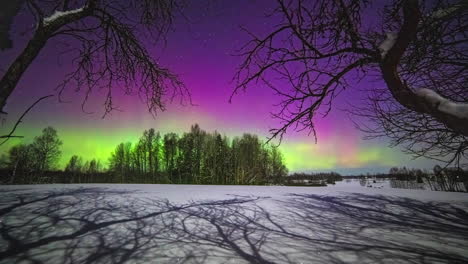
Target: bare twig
<point>108,41</point>
<point>320,48</point>
<point>10,135</point>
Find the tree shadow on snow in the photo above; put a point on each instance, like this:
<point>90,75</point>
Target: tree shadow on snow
<point>98,225</point>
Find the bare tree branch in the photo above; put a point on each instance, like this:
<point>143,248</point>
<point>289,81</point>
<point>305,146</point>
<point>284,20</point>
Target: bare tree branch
<point>400,91</point>
<point>299,64</point>
<point>105,40</point>
<point>418,49</point>
<point>20,119</point>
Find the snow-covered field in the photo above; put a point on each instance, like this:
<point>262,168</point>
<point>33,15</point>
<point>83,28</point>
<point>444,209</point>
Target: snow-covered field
<point>346,223</point>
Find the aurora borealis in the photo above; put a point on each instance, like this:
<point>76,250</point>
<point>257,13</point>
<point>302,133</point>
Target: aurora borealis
<point>200,50</point>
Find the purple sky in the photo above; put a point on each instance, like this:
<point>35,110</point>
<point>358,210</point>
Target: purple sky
<point>200,51</point>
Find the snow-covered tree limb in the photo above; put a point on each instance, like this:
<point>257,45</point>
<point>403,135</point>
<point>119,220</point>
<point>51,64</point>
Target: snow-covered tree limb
<point>449,11</point>
<point>388,43</point>
<point>456,109</point>
<point>107,53</point>
<point>316,41</point>
<point>446,112</point>
<point>42,34</point>
<point>61,15</point>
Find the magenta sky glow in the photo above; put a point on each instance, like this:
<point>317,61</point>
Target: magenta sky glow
<point>200,51</point>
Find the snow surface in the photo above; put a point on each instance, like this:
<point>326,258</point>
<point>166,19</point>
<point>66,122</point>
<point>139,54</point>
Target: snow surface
<point>388,43</point>
<point>57,14</point>
<point>447,106</point>
<point>344,223</point>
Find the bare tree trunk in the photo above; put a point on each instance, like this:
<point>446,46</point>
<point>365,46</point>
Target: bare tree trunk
<point>13,174</point>
<point>43,33</point>
<point>19,66</point>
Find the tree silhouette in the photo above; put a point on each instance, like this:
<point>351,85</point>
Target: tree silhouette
<point>74,164</point>
<point>105,46</point>
<point>120,161</point>
<point>198,157</point>
<point>20,161</point>
<point>418,48</point>
<point>46,149</point>
<point>195,157</point>
<point>170,155</point>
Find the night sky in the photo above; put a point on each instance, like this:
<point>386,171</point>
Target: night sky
<point>200,50</point>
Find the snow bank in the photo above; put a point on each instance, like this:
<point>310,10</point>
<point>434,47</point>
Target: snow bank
<point>447,106</point>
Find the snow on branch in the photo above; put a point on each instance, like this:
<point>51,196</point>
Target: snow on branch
<point>388,43</point>
<point>459,110</point>
<point>58,14</point>
<point>444,12</point>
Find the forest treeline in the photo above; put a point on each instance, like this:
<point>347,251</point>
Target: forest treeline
<point>195,157</point>
<point>313,179</point>
<point>440,179</point>
<point>451,179</point>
